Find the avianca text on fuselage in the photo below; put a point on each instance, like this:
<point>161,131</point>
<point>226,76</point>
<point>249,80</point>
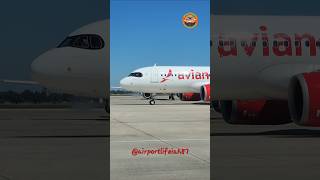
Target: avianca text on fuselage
<point>278,44</point>
<point>191,75</point>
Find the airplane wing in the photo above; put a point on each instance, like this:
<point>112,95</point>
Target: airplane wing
<point>4,81</point>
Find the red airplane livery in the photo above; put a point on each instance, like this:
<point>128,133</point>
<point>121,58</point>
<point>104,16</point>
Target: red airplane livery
<point>278,44</point>
<point>186,75</point>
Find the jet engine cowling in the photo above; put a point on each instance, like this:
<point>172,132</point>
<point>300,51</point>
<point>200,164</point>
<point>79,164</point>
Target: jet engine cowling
<point>256,112</point>
<point>189,96</point>
<point>304,99</point>
<point>147,95</point>
<point>205,93</point>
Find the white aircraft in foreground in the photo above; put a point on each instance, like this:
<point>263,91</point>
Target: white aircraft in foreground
<point>78,66</point>
<point>193,82</point>
<point>267,68</point>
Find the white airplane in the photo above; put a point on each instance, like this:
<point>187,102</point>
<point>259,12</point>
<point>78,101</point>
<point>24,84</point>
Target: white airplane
<point>189,80</point>
<point>78,66</point>
<point>267,68</point>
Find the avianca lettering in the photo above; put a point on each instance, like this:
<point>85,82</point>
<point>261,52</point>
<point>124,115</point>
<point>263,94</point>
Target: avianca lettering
<point>192,75</point>
<point>279,44</point>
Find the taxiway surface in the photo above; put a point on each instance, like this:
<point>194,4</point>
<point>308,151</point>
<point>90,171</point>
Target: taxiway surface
<point>52,144</point>
<point>265,152</point>
<point>168,124</point>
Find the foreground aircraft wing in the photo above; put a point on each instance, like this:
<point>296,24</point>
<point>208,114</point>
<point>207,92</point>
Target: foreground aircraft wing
<point>4,81</point>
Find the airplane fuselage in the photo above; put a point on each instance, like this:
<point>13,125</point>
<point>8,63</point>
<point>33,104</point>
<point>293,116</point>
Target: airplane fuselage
<point>254,57</point>
<point>167,79</point>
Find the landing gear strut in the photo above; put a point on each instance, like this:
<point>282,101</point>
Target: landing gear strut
<point>171,97</point>
<point>107,106</point>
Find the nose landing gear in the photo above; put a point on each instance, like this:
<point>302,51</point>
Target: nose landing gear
<point>152,102</point>
<point>107,106</point>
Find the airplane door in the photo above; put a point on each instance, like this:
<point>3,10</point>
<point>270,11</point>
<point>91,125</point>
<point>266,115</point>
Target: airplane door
<point>154,75</point>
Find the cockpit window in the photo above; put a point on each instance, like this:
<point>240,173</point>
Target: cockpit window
<point>84,41</point>
<point>136,74</point>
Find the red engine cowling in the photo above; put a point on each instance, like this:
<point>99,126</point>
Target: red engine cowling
<point>304,99</point>
<point>205,93</point>
<point>258,112</point>
<point>189,97</point>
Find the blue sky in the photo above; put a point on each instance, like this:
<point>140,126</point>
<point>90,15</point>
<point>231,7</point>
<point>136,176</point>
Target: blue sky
<point>144,33</point>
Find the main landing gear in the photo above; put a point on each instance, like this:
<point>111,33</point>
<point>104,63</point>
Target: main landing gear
<point>152,100</point>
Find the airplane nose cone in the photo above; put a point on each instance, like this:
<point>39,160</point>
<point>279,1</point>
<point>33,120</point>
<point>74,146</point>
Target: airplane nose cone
<point>37,69</point>
<point>125,83</point>
<point>43,66</point>
<point>35,66</point>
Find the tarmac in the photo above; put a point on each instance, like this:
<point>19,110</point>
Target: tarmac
<point>168,124</point>
<point>71,143</point>
<point>51,144</point>
<point>264,152</point>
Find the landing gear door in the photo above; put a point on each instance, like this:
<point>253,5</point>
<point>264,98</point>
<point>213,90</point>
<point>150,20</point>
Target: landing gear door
<point>154,75</point>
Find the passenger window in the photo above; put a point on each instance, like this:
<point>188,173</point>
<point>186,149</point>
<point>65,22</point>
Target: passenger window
<point>265,43</point>
<point>243,43</point>
<point>297,43</point>
<point>307,43</point>
<point>275,44</point>
<point>232,44</point>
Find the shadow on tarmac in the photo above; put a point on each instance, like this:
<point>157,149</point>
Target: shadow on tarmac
<point>285,133</point>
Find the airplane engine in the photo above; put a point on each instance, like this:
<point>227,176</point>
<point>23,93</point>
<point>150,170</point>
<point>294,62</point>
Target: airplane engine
<point>205,92</point>
<point>146,95</point>
<point>189,97</point>
<point>256,112</point>
<point>304,99</point>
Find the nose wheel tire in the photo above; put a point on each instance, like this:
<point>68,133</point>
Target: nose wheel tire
<point>152,102</point>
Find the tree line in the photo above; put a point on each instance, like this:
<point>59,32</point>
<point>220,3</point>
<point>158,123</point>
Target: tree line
<point>36,97</point>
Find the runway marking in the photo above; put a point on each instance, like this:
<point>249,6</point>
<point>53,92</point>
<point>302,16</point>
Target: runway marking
<point>157,140</point>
